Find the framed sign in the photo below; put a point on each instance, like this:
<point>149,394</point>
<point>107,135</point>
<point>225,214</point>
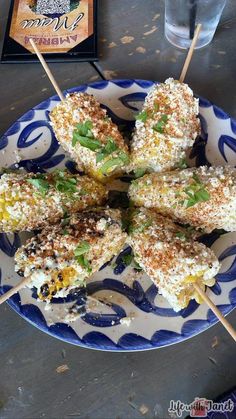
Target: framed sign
<point>62,29</point>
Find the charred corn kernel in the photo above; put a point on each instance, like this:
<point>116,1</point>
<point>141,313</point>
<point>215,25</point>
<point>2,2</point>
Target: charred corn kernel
<point>30,201</point>
<point>202,197</point>
<point>85,131</point>
<point>165,128</point>
<point>62,257</point>
<point>172,259</point>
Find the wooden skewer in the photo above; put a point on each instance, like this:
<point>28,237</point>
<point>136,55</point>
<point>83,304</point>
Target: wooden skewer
<point>216,311</point>
<point>204,296</point>
<point>14,290</point>
<point>24,282</point>
<point>190,53</point>
<point>47,69</point>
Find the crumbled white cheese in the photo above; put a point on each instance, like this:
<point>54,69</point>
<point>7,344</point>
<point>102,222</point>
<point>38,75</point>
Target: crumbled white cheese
<point>126,321</point>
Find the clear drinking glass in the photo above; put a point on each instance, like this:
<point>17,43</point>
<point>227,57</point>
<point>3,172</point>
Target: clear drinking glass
<point>182,16</point>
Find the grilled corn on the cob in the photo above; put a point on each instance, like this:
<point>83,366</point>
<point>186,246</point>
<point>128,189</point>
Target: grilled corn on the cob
<point>165,128</point>
<point>202,197</point>
<point>62,257</point>
<point>30,201</point>
<point>85,131</point>
<point>172,260</point>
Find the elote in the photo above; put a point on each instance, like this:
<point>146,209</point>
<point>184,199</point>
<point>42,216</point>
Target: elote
<point>204,197</point>
<point>166,127</point>
<point>63,256</point>
<point>85,131</point>
<point>171,258</point>
<point>30,201</point>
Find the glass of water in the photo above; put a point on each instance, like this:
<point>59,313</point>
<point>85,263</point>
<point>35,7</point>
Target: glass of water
<point>182,16</point>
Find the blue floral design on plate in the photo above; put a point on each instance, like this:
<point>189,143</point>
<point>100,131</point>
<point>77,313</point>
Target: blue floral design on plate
<point>138,299</point>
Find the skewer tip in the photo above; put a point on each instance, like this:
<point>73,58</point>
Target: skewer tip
<point>47,69</point>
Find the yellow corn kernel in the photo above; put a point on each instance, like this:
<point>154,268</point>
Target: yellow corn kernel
<point>193,278</point>
<point>60,279</point>
<point>6,215</point>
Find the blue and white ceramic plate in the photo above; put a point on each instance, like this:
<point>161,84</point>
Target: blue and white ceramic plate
<point>133,316</point>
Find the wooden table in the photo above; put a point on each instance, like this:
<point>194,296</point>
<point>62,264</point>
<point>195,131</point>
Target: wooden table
<point>98,384</point>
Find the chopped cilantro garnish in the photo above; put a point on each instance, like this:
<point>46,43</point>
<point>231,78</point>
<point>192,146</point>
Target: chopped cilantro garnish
<point>142,116</point>
<point>195,192</point>
<point>196,178</point>
<point>85,137</point>
<point>90,143</point>
<point>84,129</point>
<point>180,235</point>
<point>79,253</point>
<point>139,173</point>
<point>83,261</point>
<point>124,157</point>
<point>65,184</point>
<point>159,126</point>
<point>127,259</point>
<point>137,266</point>
<point>191,201</point>
<point>82,248</point>
<point>182,163</point>
<point>140,229</point>
<point>109,148</point>
<point>40,183</point>
<point>99,157</point>
<point>135,182</point>
<point>65,232</point>
<point>106,167</point>
<point>116,161</point>
<point>202,195</point>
